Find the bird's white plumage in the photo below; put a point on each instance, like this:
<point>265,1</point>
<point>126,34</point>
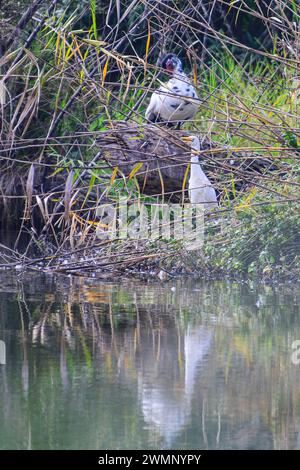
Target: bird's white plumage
<point>174,101</point>
<point>200,188</point>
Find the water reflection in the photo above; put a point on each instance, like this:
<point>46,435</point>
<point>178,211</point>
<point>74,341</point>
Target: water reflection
<point>137,365</point>
<point>166,397</point>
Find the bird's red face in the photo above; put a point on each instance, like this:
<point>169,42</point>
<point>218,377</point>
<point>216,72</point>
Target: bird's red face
<point>170,65</point>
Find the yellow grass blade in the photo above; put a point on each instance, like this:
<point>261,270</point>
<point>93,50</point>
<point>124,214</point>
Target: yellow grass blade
<point>135,170</point>
<point>71,52</point>
<point>94,42</point>
<point>195,74</point>
<point>58,49</point>
<point>185,177</point>
<point>147,44</point>
<point>104,73</point>
<point>114,175</point>
<point>247,201</point>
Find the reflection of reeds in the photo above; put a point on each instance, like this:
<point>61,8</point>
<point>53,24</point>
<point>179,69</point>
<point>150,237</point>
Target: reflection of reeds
<point>136,334</point>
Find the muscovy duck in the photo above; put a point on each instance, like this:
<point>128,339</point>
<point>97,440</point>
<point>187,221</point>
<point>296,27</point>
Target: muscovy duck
<point>168,104</point>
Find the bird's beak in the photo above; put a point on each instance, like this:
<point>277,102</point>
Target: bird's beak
<point>187,139</point>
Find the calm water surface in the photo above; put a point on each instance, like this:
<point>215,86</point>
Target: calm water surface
<point>179,365</point>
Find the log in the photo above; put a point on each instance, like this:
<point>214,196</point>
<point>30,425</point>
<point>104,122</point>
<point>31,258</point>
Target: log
<point>159,159</point>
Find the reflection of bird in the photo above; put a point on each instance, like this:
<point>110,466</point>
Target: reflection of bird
<point>166,390</point>
<point>167,104</point>
<point>201,190</point>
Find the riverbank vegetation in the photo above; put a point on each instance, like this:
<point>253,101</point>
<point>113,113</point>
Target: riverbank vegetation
<point>75,79</point>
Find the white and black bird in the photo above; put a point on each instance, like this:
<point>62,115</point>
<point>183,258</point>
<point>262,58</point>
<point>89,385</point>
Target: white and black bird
<point>175,101</point>
<point>200,188</point>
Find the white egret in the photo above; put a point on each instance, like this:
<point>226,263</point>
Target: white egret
<point>200,188</point>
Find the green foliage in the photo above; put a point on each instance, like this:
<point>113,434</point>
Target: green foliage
<point>291,139</point>
<point>259,240</point>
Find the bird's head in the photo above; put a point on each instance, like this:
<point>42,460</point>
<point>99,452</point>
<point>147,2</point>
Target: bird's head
<point>171,63</point>
<point>193,141</point>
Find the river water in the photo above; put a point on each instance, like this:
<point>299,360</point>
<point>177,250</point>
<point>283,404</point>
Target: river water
<point>135,365</point>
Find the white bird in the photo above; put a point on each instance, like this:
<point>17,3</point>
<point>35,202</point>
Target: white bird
<point>168,103</point>
<point>200,188</point>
